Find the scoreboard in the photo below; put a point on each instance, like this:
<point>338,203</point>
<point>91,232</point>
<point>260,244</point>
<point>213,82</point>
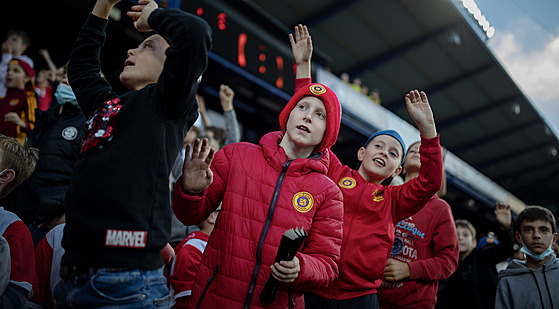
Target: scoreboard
<point>248,45</point>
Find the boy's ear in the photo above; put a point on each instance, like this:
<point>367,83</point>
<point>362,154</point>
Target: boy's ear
<point>555,237</point>
<point>7,176</point>
<point>27,78</point>
<point>397,171</point>
<point>361,154</point>
<point>517,236</point>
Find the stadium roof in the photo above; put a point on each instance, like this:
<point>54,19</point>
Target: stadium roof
<point>436,45</point>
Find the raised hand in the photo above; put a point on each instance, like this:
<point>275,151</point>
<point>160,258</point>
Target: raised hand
<point>503,215</point>
<point>102,8</point>
<point>196,172</point>
<point>301,45</point>
<point>420,111</point>
<point>140,13</point>
<point>226,95</point>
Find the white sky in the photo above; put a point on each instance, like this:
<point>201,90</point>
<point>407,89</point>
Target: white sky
<point>526,43</point>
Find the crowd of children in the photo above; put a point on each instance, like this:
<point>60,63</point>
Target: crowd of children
<point>90,181</point>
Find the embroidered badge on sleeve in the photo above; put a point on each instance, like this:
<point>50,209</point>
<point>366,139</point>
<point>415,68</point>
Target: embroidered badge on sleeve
<point>99,127</point>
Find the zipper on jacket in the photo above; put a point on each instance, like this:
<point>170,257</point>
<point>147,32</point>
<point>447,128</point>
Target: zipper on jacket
<point>275,197</point>
<point>210,279</point>
<point>290,300</point>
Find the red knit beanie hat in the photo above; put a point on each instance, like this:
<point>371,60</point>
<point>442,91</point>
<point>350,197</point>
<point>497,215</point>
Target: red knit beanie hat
<point>333,112</point>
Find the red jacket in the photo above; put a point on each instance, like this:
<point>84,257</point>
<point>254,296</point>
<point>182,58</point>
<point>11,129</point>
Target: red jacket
<point>264,194</point>
<point>427,241</point>
<point>370,213</point>
<point>22,253</point>
<point>185,264</point>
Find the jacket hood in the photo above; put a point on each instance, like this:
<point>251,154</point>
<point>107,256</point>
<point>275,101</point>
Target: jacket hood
<point>518,267</point>
<point>333,112</point>
<point>276,157</point>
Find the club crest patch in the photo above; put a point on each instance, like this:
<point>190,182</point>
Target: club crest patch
<point>317,89</point>
<point>377,198</point>
<point>347,183</point>
<point>70,133</point>
<point>303,201</point>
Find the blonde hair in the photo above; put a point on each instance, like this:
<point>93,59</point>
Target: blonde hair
<point>19,158</point>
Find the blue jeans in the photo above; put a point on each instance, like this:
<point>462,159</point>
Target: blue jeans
<point>105,288</point>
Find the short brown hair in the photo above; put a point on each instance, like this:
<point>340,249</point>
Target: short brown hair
<point>20,158</point>
<point>533,213</point>
<point>466,224</point>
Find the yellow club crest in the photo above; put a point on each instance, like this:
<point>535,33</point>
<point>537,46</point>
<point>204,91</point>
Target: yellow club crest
<point>347,183</point>
<point>377,198</point>
<point>303,201</point>
<point>317,89</point>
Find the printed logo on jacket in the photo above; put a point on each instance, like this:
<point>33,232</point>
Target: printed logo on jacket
<point>126,239</point>
<point>347,183</point>
<point>303,201</point>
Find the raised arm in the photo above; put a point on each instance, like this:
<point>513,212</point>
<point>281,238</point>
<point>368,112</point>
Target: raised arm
<point>199,191</point>
<point>226,95</point>
<point>187,59</point>
<point>410,197</point>
<point>420,111</point>
<point>301,46</point>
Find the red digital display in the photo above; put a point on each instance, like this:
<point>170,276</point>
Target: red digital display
<point>243,45</point>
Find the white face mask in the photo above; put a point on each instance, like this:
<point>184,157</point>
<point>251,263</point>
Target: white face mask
<point>537,257</point>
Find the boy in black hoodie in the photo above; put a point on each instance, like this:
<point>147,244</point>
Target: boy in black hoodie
<point>117,206</point>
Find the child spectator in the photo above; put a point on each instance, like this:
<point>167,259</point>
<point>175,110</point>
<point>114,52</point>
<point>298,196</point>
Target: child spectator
<point>17,108</point>
<point>425,250</point>
<point>48,255</point>
<point>474,283</point>
<point>17,162</point>
<point>57,135</point>
<point>370,209</point>
<point>117,205</point>
<point>45,80</point>
<point>267,189</point>
<point>536,231</point>
<point>187,259</point>
<point>16,43</point>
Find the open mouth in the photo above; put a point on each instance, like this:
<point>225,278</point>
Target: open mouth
<point>379,161</point>
<point>303,128</point>
<point>128,62</point>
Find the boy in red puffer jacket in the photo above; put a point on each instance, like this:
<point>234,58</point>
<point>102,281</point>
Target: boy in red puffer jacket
<point>266,189</point>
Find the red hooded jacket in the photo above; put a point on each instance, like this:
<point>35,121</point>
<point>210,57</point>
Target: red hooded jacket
<point>261,189</point>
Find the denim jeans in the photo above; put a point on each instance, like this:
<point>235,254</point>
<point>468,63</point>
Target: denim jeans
<point>105,288</point>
